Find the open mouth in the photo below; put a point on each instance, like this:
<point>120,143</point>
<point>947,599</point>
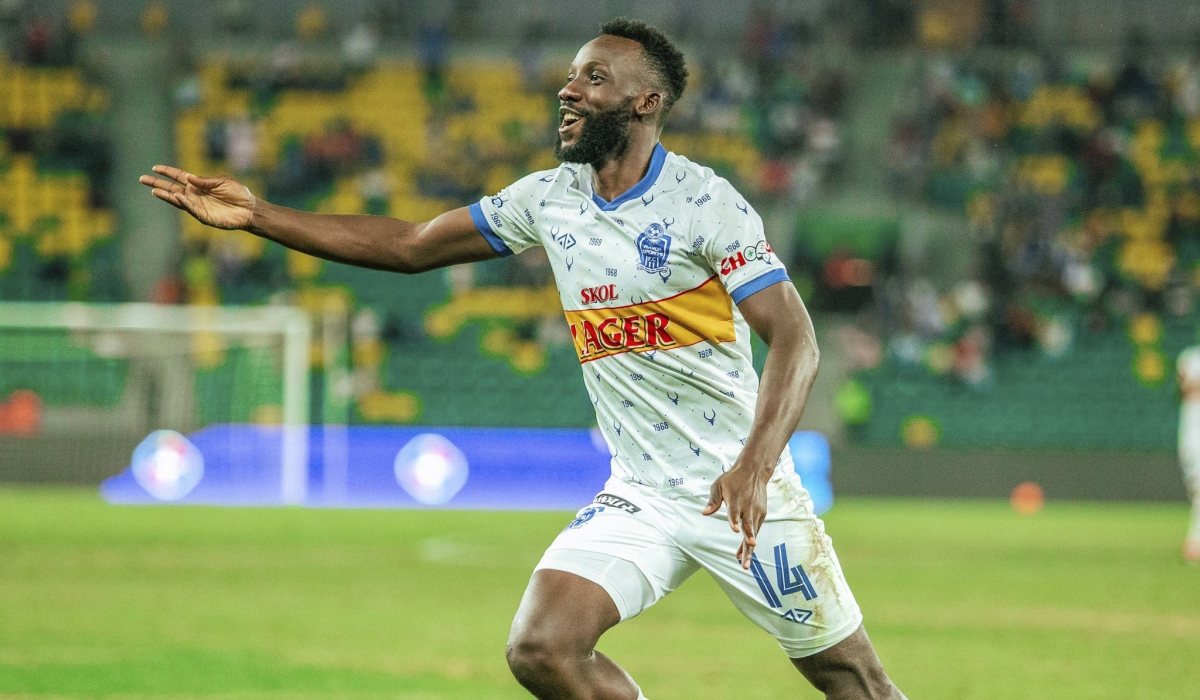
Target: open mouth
<point>569,121</point>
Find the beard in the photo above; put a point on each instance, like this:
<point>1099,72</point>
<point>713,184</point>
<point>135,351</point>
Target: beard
<point>604,135</point>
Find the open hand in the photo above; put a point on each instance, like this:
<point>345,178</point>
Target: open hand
<point>744,490</point>
<point>221,202</point>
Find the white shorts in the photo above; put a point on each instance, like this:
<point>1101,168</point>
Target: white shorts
<point>639,546</point>
<point>1189,446</point>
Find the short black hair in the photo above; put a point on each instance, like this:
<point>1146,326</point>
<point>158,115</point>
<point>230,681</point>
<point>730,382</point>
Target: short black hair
<point>665,59</point>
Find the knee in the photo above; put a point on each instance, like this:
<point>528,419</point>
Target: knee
<point>535,659</point>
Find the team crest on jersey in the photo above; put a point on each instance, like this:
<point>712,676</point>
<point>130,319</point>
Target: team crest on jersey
<point>654,245</point>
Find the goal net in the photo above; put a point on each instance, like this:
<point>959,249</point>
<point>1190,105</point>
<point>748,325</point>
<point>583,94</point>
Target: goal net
<point>84,386</point>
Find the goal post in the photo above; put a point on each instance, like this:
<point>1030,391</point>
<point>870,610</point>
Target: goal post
<point>77,372</point>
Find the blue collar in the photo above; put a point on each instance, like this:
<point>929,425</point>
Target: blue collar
<point>656,163</point>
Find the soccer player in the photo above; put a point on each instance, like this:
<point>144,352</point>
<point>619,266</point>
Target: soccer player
<point>663,270</point>
<point>1187,369</point>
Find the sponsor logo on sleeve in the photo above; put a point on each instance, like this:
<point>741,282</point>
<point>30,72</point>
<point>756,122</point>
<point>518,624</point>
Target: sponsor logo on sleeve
<point>760,251</point>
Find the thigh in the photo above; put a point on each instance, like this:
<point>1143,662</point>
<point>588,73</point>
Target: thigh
<point>794,589</point>
<point>562,611</point>
<point>621,546</point>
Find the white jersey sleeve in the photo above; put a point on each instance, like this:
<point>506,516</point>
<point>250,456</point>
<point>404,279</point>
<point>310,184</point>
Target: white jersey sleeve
<point>506,219</point>
<point>735,246</point>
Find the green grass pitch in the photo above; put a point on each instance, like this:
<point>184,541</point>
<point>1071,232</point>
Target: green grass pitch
<point>964,600</point>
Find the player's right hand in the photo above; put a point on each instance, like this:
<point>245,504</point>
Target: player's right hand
<point>220,202</point>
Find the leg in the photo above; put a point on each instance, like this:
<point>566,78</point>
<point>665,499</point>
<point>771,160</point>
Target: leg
<point>551,649</point>
<point>598,571</point>
<point>795,590</point>
<point>849,670</point>
<point>1191,544</point>
<point>1189,458</point>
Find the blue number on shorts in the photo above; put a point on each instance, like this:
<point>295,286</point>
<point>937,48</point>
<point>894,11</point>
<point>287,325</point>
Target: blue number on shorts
<point>791,579</point>
<point>764,583</point>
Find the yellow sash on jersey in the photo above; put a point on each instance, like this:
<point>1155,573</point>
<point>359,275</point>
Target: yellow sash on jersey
<point>701,313</point>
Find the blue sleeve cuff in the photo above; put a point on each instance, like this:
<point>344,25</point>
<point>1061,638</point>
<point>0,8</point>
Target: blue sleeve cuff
<point>758,284</point>
<point>485,228</point>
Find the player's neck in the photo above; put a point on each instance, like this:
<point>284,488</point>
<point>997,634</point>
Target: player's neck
<point>618,175</point>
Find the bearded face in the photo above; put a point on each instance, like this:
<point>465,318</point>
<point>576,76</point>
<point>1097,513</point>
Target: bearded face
<point>594,136</point>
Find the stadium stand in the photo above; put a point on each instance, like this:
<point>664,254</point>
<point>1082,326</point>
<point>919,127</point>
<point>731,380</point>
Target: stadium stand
<point>1080,192</point>
<point>57,234</point>
<point>59,238</point>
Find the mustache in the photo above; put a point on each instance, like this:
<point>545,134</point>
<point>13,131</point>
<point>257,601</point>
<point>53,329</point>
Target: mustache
<point>585,113</point>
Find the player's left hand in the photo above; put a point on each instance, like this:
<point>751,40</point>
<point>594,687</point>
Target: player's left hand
<point>744,490</point>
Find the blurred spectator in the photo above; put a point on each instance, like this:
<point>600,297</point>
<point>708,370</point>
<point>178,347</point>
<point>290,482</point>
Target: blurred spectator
<point>155,18</point>
<point>38,42</point>
<point>359,47</point>
<point>433,46</point>
<point>81,17</point>
<point>311,22</point>
<point>10,20</point>
<point>390,18</point>
<point>241,145</point>
<point>234,16</point>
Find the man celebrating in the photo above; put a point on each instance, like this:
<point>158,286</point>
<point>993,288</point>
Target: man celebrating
<point>663,269</point>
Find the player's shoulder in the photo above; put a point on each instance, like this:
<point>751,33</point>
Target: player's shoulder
<point>540,184</point>
<point>704,185</point>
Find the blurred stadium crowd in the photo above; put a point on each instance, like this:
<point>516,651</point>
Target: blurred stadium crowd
<point>1072,181</point>
<point>1079,193</point>
<point>57,228</point>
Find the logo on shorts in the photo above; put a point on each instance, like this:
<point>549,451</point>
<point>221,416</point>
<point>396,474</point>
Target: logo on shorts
<point>798,615</point>
<point>607,499</point>
<point>654,245</point>
<point>584,516</point>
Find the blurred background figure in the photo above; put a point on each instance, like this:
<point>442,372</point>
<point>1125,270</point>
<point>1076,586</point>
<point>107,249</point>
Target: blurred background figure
<point>1188,368</point>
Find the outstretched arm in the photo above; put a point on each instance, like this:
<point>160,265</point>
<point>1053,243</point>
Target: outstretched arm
<point>378,242</point>
<point>778,316</point>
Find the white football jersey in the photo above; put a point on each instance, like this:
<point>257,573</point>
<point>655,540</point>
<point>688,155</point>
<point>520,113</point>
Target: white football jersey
<point>1188,364</point>
<point>650,284</point>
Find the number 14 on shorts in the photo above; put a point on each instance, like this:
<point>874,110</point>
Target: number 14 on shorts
<point>790,579</point>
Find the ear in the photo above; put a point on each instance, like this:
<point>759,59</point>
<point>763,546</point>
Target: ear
<point>647,104</point>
